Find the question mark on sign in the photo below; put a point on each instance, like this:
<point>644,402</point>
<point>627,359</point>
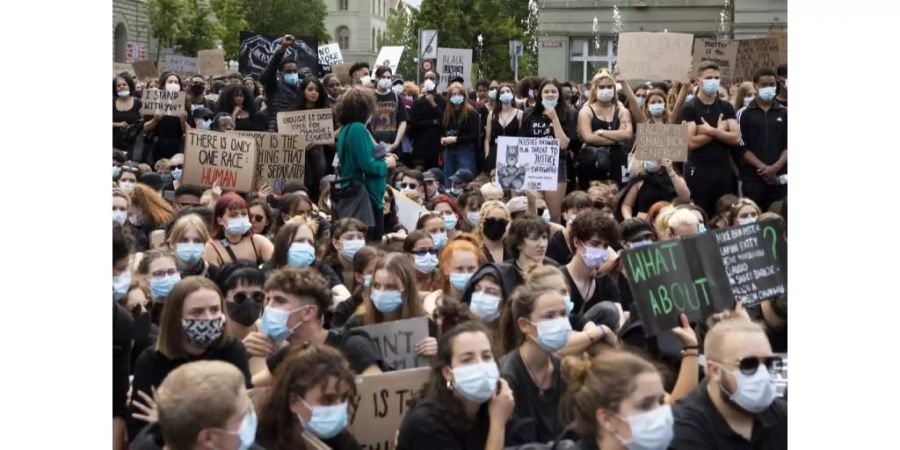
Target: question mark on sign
<point>774,233</point>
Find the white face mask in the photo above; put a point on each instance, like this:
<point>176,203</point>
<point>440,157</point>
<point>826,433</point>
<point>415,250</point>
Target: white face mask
<point>172,87</point>
<point>428,85</point>
<point>366,81</point>
<point>384,84</point>
<point>651,430</point>
<point>398,89</point>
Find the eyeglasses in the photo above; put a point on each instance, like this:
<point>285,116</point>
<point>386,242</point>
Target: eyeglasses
<point>409,186</point>
<point>425,251</point>
<point>257,217</point>
<point>257,296</point>
<point>749,365</point>
<point>163,273</point>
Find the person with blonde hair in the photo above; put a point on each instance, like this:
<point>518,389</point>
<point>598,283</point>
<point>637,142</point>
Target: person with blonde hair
<point>490,191</point>
<point>491,229</point>
<point>649,185</point>
<point>682,222</point>
<point>744,211</point>
<point>187,238</point>
<point>602,123</point>
<point>746,93</point>
<point>661,220</point>
<point>120,205</point>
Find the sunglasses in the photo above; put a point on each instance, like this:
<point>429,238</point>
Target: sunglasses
<point>749,365</point>
<point>409,186</point>
<point>425,251</point>
<point>257,217</point>
<point>177,166</point>
<point>257,296</point>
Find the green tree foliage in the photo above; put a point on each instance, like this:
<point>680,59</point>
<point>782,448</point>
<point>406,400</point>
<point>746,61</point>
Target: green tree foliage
<point>164,18</point>
<point>231,19</point>
<point>196,27</point>
<point>279,17</point>
<point>401,31</point>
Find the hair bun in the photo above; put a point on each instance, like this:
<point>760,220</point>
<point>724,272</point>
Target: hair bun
<point>575,370</point>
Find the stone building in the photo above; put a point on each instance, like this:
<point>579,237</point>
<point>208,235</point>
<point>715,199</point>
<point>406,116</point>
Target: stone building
<point>356,25</point>
<point>132,40</point>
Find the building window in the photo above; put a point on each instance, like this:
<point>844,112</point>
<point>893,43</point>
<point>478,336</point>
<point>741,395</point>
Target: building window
<point>342,5</point>
<point>343,37</point>
<point>587,56</point>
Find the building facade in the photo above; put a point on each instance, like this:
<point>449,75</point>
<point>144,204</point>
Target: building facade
<point>132,40</point>
<point>577,36</point>
<point>357,25</point>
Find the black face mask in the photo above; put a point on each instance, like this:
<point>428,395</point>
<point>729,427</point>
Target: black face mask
<point>244,313</point>
<point>198,89</point>
<point>494,228</point>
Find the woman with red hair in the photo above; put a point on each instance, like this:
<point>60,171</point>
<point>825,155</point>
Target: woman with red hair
<point>450,213</point>
<point>233,240</point>
<point>458,262</point>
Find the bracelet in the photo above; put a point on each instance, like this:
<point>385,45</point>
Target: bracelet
<point>685,353</point>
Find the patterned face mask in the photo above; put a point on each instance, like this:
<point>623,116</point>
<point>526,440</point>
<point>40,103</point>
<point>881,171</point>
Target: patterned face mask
<point>202,332</point>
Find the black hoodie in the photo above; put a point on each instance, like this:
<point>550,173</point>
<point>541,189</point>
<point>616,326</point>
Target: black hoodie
<point>505,273</point>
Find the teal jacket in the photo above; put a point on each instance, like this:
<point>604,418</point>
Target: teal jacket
<point>357,158</point>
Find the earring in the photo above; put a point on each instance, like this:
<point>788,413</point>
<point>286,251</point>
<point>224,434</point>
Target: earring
<point>449,385</point>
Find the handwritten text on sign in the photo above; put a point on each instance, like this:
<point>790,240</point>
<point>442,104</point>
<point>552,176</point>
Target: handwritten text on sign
<point>329,55</point>
<point>723,53</point>
<point>454,62</point>
<point>750,254</point>
<point>157,101</point>
<point>661,141</point>
<point>753,54</point>
<point>531,163</point>
<point>182,64</point>
<point>212,157</point>
<point>380,403</point>
<point>397,341</point>
<point>316,126</point>
<point>279,158</point>
<point>655,56</point>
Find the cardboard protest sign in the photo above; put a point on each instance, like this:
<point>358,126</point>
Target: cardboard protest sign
<point>159,101</point>
<point>329,55</point>
<point>454,62</point>
<point>182,64</point>
<point>661,141</point>
<point>408,211</point>
<point>655,56</point>
<point>706,273</point>
<point>397,341</point>
<point>280,158</point>
<point>145,69</point>
<point>314,125</point>
<point>380,403</point>
<point>782,38</point>
<point>528,163</point>
<point>211,62</point>
<point>342,71</point>
<point>121,67</point>
<point>389,55</point>
<point>753,54</point>
<point>723,53</point>
<point>257,49</point>
<point>212,157</point>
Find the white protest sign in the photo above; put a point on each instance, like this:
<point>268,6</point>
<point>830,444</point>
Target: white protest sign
<point>380,403</point>
<point>314,125</point>
<point>408,211</point>
<point>389,55</point>
<point>397,341</point>
<point>454,62</point>
<point>329,56</point>
<point>528,163</point>
<point>655,56</point>
<point>182,64</point>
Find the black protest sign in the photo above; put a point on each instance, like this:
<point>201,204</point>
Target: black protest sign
<point>397,341</point>
<point>380,403</point>
<point>280,158</point>
<point>257,49</point>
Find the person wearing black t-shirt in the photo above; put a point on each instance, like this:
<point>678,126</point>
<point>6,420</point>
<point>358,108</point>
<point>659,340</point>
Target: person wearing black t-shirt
<point>126,110</point>
<point>196,98</point>
<point>311,95</point>
<point>123,334</point>
<point>389,120</point>
<point>425,124</point>
<point>559,248</point>
<point>166,133</point>
<point>592,234</point>
<point>237,101</point>
<point>713,132</point>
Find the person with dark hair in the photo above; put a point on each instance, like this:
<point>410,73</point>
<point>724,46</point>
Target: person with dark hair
<point>281,93</point>
<point>203,118</point>
<point>389,120</point>
<point>311,95</point>
<point>123,333</point>
<point>363,269</point>
<point>593,235</point>
<point>460,132</point>
<point>295,247</point>
<point>425,124</point>
<point>412,185</point>
<point>651,181</point>
<point>237,101</point>
<point>504,119</point>
<point>332,88</point>
<point>712,131</point>
<point>187,195</point>
<point>242,284</point>
<point>359,75</point>
<point>196,98</point>
<point>526,246</point>
<point>764,138</point>
<point>781,73</point>
<point>165,133</point>
<point>560,246</point>
<point>126,111</point>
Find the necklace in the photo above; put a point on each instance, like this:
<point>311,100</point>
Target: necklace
<point>539,384</point>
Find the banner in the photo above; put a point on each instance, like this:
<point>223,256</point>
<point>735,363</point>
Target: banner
<point>661,141</point>
<point>329,55</point>
<point>145,69</point>
<point>159,101</point>
<point>655,56</point>
<point>528,163</point>
<point>754,54</point>
<point>212,157</point>
<point>316,126</point>
<point>397,341</point>
<point>706,273</point>
<point>257,49</point>
<point>280,158</point>
<point>211,63</point>
<point>782,38</point>
<point>182,64</point>
<point>408,211</point>
<point>380,403</point>
<point>454,62</point>
<point>388,56</point>
<point>723,53</point>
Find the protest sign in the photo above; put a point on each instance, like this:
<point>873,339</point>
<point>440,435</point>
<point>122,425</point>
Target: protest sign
<point>380,403</point>
<point>397,341</point>
<point>753,54</point>
<point>145,69</point>
<point>655,56</point>
<point>706,273</point>
<point>408,211</point>
<point>211,62</point>
<point>389,55</point>
<point>182,64</point>
<point>723,53</point>
<point>159,101</point>
<point>454,62</point>
<point>528,163</point>
<point>257,49</point>
<point>342,71</point>
<point>280,158</point>
<point>329,55</point>
<point>782,38</point>
<point>121,67</point>
<point>316,126</point>
<point>212,157</point>
<point>661,141</point>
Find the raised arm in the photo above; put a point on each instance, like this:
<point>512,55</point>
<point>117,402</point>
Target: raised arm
<point>633,106</point>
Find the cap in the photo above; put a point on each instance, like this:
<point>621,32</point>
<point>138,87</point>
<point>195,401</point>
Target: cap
<point>293,186</point>
<point>457,79</point>
<point>398,79</point>
<point>635,229</point>
<point>462,176</point>
<point>517,204</point>
<point>434,174</point>
<point>151,179</point>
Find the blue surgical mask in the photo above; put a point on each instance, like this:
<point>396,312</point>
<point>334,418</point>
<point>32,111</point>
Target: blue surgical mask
<point>476,382</point>
<point>549,104</point>
<point>755,393</point>
<point>457,99</point>
<point>301,254</point>
<point>116,171</point>
<point>176,174</point>
<point>711,87</point>
<point>238,225</point>
<point>656,109</point>
<point>459,280</point>
<point>651,430</point>
<point>440,239</point>
<point>207,124</point>
<point>124,93</point>
<point>160,287</point>
<point>650,166</point>
<point>767,93</point>
<point>367,280</point>
<point>247,432</point>
<point>701,228</point>
<point>506,98</point>
<point>274,323</point>
<point>594,257</point>
<point>351,246</point>
<point>189,252</point>
<point>472,217</point>
<point>326,421</point>
<point>546,216</point>
<point>450,221</point>
<point>387,301</point>
<point>120,216</point>
<point>426,263</point>
<point>567,299</point>
<point>291,79</point>
<point>640,102</point>
<point>485,306</point>
<point>492,94</point>
<point>688,98</point>
<point>120,285</point>
<point>553,333</point>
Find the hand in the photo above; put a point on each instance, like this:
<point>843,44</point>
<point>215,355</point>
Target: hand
<point>551,114</point>
<point>623,317</point>
<point>398,236</point>
<point>287,41</point>
<point>451,140</point>
<point>610,263</point>
<point>705,128</point>
<point>237,110</point>
<point>768,173</point>
<point>264,191</point>
<point>258,344</point>
<point>427,347</point>
<point>184,116</point>
<point>390,161</point>
<point>148,407</point>
<point>667,164</point>
<point>722,125</point>
<point>501,404</point>
<point>685,333</point>
<point>157,117</point>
